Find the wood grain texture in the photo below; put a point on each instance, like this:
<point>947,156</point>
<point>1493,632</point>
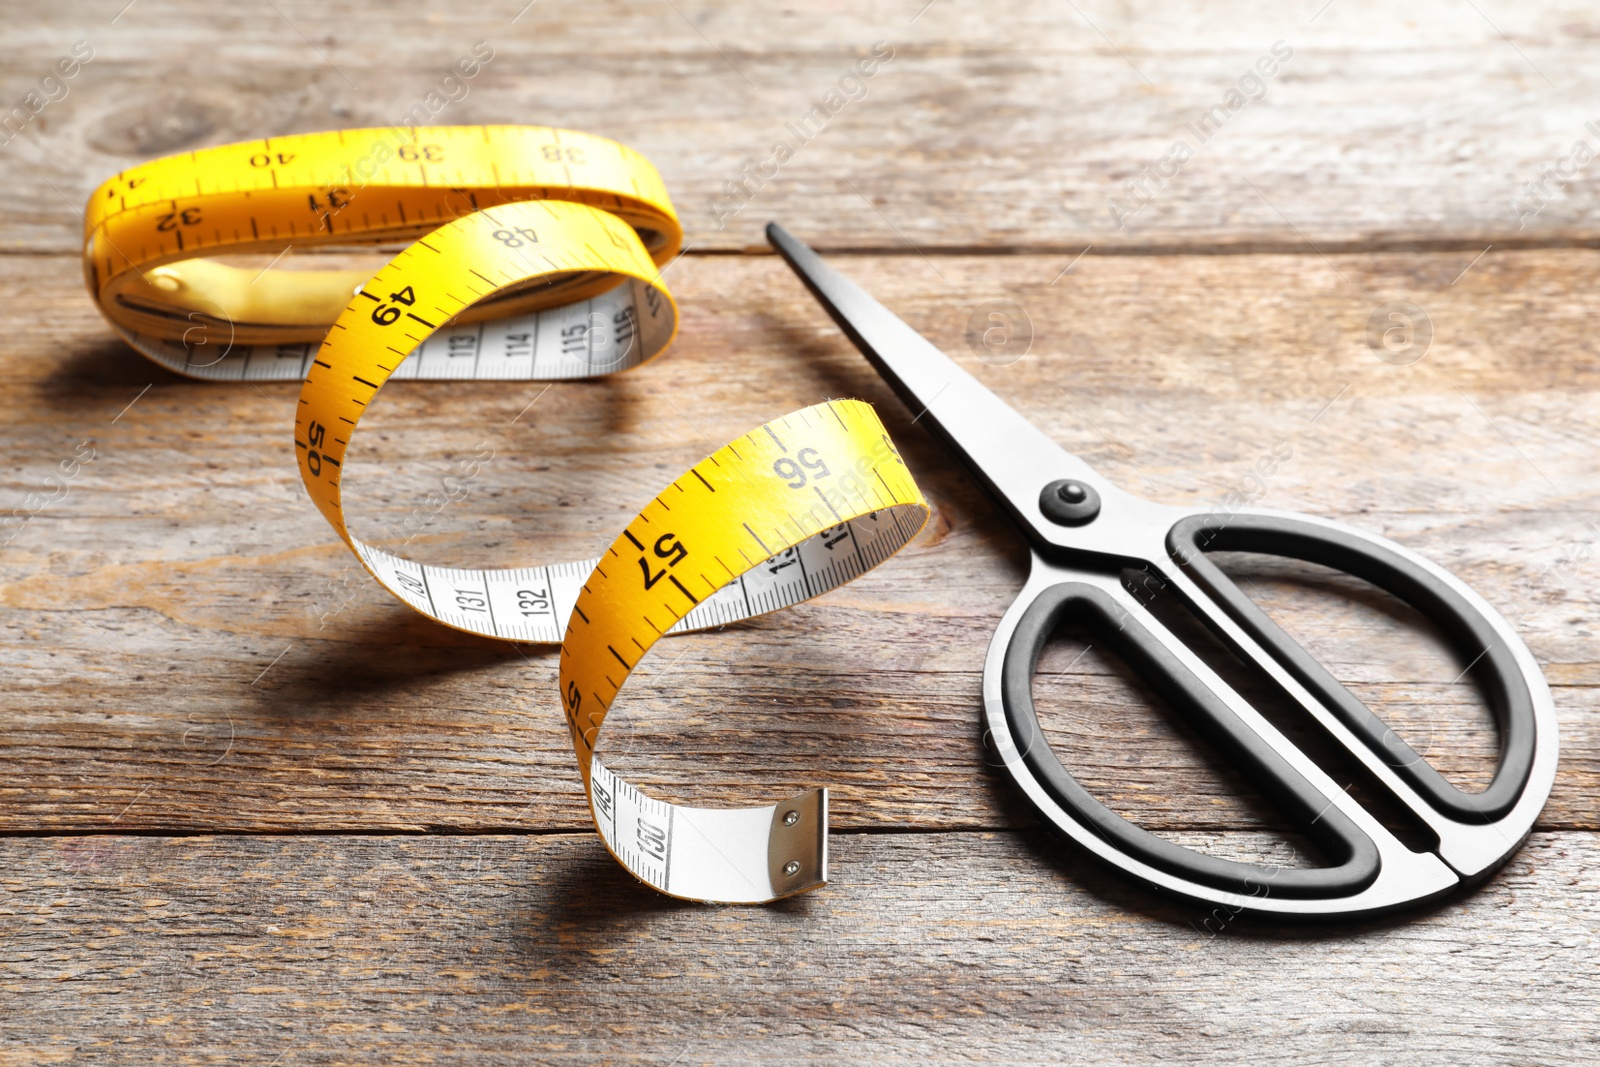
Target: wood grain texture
<point>929,949</point>
<point>998,126</point>
<point>171,668</point>
<point>257,811</point>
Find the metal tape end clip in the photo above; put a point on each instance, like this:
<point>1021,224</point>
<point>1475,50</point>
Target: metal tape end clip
<point>797,849</point>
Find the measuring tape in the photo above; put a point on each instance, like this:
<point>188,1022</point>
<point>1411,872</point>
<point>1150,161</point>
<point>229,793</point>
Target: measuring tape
<point>799,506</point>
<point>526,278</point>
<point>152,234</point>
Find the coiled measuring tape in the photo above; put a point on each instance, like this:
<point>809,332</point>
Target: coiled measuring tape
<point>152,234</point>
<point>531,278</point>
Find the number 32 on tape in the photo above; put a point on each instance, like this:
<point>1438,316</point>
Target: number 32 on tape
<point>568,287</point>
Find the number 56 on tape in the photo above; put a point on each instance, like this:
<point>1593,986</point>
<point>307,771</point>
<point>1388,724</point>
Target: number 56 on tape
<point>536,256</point>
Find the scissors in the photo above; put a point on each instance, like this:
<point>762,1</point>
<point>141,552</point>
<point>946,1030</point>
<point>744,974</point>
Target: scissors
<point>1096,551</point>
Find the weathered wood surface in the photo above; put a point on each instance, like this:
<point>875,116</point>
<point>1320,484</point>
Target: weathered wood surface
<point>995,125</point>
<point>186,650</point>
<point>170,668</point>
<point>929,949</point>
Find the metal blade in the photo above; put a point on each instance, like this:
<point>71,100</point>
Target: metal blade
<point>1011,456</point>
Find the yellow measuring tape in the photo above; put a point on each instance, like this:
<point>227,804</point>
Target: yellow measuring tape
<point>536,254</point>
<point>153,233</point>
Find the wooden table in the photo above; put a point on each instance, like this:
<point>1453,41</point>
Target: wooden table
<point>238,834</point>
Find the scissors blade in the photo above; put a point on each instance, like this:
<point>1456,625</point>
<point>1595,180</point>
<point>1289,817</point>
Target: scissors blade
<point>1010,455</point>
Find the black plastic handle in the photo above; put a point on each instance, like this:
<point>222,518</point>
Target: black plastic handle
<point>1354,853</point>
<point>1372,560</point>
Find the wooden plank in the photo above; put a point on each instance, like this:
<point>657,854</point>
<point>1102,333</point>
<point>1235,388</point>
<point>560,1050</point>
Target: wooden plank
<point>168,667</point>
<point>930,948</point>
<point>1010,125</point>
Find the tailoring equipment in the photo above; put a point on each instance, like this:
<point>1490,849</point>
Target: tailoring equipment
<point>1098,551</point>
<point>530,253</point>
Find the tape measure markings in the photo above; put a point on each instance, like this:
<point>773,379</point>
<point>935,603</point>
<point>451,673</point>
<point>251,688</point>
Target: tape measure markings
<point>738,517</point>
<point>578,295</point>
<point>255,196</point>
<point>523,348</point>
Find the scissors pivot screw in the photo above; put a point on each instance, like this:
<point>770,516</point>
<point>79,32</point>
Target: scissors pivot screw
<point>790,818</point>
<point>1069,503</point>
<point>792,867</point>
<point>1078,574</point>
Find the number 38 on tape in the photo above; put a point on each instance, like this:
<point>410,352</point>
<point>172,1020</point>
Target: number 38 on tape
<point>535,254</point>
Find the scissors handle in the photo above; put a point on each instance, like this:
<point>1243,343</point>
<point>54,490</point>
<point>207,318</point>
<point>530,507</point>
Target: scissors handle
<point>1086,533</point>
<point>1435,594</point>
<point>1356,855</point>
<point>1370,869</point>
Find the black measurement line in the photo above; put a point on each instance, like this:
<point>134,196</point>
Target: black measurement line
<point>620,660</point>
<point>879,473</point>
<point>703,482</point>
<point>674,580</point>
<point>666,859</point>
<point>824,499</point>
<point>363,381</point>
<point>775,437</point>
<point>426,588</point>
<point>488,602</point>
<point>760,542</point>
<point>422,320</point>
<point>629,535</point>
